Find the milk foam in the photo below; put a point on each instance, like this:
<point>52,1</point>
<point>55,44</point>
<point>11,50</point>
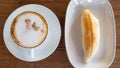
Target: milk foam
<point>29,37</point>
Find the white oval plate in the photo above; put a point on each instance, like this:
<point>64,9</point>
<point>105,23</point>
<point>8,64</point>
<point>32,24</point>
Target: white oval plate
<point>47,47</point>
<point>106,52</point>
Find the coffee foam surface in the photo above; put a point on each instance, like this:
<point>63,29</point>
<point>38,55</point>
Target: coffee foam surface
<point>29,37</point>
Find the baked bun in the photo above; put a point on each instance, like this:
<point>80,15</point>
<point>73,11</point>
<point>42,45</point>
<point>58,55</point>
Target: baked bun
<point>29,29</point>
<point>90,34</point>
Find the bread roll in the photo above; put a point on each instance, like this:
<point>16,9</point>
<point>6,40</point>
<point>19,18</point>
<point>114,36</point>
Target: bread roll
<point>90,34</point>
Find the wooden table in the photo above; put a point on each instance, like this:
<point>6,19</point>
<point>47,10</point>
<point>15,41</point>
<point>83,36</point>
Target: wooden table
<point>59,58</point>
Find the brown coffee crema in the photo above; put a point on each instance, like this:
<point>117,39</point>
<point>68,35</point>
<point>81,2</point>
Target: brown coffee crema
<point>34,26</point>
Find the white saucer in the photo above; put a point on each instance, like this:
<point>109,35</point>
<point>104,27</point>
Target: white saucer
<point>47,47</point>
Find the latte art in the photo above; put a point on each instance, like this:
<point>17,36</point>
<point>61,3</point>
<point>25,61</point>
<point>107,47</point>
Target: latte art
<point>28,24</point>
<point>29,29</point>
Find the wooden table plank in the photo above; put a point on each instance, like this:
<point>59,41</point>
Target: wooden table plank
<point>59,58</point>
<point>116,63</point>
<point>116,7</point>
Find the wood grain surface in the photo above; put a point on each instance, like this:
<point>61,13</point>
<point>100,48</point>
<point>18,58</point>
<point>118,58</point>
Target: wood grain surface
<point>59,58</point>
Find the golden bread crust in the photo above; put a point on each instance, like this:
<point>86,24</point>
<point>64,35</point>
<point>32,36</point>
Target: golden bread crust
<point>90,34</point>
